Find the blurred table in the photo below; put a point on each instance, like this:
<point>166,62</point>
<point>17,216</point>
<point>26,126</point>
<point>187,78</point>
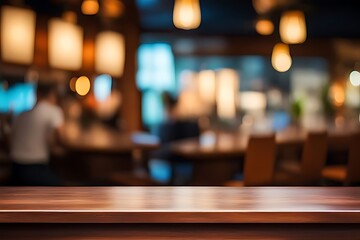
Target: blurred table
<point>179,213</point>
<point>218,160</point>
<point>234,144</point>
<point>95,152</point>
<point>98,138</point>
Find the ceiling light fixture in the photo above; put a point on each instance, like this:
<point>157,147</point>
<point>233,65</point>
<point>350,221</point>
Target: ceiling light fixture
<point>264,27</point>
<point>187,14</point>
<point>90,7</point>
<point>281,59</point>
<point>293,27</point>
<point>17,35</point>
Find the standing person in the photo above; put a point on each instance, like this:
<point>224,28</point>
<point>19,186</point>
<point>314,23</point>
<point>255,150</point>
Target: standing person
<point>31,136</point>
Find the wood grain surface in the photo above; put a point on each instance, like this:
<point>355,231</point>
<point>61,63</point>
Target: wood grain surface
<point>179,205</point>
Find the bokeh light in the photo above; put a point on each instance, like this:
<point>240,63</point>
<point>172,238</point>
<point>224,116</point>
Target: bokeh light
<point>264,27</point>
<point>82,85</point>
<point>355,78</point>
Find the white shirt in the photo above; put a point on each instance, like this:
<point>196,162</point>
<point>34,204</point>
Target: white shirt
<point>31,131</point>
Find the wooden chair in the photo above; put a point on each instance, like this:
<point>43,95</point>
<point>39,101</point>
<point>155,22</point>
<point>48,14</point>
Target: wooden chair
<point>350,173</point>
<point>259,162</point>
<point>308,171</point>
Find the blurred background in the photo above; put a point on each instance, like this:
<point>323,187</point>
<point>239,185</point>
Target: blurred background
<point>163,92</point>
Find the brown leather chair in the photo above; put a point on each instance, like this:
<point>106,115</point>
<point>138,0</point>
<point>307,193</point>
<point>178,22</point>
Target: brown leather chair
<point>350,173</point>
<point>308,171</point>
<point>259,161</point>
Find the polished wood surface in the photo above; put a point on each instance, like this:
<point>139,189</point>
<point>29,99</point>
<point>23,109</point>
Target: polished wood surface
<point>235,144</point>
<point>179,205</point>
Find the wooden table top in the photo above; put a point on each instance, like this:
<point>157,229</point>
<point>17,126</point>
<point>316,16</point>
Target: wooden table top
<point>235,144</point>
<point>179,205</point>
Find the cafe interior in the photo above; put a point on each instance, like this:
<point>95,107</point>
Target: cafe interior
<point>188,92</point>
<point>179,119</point>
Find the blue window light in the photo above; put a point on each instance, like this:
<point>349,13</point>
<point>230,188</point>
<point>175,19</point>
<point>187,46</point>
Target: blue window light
<point>18,98</point>
<point>102,87</point>
<point>155,75</point>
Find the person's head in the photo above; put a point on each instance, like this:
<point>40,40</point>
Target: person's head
<point>46,92</point>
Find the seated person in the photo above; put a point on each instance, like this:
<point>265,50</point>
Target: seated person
<point>173,129</point>
<point>30,139</point>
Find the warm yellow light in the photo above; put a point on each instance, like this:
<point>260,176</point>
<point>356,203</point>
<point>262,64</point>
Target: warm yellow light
<point>337,94</point>
<point>207,86</point>
<point>90,7</point>
<point>110,53</point>
<point>82,85</point>
<point>264,27</point>
<point>65,45</point>
<point>264,6</point>
<point>252,101</point>
<point>17,35</point>
<point>293,27</point>
<point>113,8</point>
<point>187,14</point>
<point>281,59</point>
<point>227,88</point>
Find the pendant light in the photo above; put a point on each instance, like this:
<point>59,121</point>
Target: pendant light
<point>264,27</point>
<point>187,14</point>
<point>293,27</point>
<point>110,53</point>
<point>281,59</point>
<point>17,34</point>
<point>65,44</point>
<point>90,7</point>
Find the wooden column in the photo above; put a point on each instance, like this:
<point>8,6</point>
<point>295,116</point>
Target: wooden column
<point>131,98</point>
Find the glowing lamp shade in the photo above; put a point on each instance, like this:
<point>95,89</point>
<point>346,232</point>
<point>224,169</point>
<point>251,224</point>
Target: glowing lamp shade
<point>17,35</point>
<point>82,85</point>
<point>207,86</point>
<point>113,8</point>
<point>227,88</point>
<point>65,45</point>
<point>264,6</point>
<point>264,27</point>
<point>352,96</point>
<point>337,94</point>
<point>110,53</point>
<point>187,14</point>
<point>355,78</point>
<point>102,87</point>
<point>90,7</point>
<point>293,27</point>
<point>252,101</point>
<point>281,59</point>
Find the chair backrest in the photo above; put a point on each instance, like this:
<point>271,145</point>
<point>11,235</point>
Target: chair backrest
<point>260,160</point>
<point>353,170</point>
<point>313,157</point>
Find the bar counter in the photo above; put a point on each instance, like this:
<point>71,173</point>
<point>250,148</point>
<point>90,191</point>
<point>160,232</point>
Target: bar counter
<point>172,212</point>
